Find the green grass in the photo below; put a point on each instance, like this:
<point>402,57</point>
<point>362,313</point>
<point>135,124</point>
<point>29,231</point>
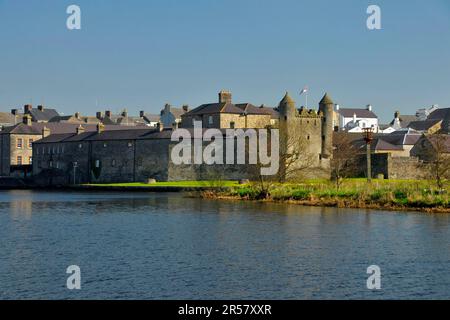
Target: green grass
<point>180,184</point>
<point>356,192</point>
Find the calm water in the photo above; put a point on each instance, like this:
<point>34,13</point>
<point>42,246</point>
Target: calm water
<point>165,246</point>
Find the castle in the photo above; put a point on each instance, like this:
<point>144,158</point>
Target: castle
<point>104,156</point>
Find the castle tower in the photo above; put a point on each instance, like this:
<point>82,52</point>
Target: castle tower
<point>326,106</point>
<point>286,108</point>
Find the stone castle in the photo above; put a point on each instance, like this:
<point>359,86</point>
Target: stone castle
<point>108,156</point>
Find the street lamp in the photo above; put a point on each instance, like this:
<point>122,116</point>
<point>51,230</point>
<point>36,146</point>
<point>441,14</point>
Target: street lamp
<point>368,138</point>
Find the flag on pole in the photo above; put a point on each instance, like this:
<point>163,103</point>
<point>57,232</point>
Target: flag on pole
<point>304,90</point>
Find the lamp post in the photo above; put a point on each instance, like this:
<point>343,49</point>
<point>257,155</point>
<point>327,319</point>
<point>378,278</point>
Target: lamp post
<point>368,138</point>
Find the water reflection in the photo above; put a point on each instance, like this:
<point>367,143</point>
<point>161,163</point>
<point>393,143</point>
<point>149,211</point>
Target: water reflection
<point>138,245</point>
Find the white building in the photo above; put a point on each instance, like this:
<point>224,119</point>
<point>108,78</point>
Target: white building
<point>355,120</point>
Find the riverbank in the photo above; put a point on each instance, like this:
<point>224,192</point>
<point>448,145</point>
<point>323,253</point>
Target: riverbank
<point>395,195</point>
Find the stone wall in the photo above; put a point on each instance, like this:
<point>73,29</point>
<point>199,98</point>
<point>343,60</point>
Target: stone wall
<point>392,167</point>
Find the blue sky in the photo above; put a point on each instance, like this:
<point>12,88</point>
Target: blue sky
<point>140,54</point>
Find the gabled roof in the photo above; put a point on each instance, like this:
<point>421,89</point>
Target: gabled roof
<point>360,113</point>
<point>423,125</point>
<point>43,115</point>
<point>214,108</point>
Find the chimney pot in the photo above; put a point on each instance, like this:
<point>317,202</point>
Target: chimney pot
<point>159,126</point>
<point>45,132</point>
<point>99,115</point>
<point>80,130</point>
<point>225,96</point>
<point>27,108</point>
<point>100,127</point>
<point>142,113</point>
<point>41,108</point>
<point>108,114</point>
<point>185,108</point>
<point>27,120</point>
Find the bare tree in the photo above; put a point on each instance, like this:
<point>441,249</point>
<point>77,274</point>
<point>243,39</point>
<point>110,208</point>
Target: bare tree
<point>438,158</point>
<point>344,161</point>
<point>297,156</point>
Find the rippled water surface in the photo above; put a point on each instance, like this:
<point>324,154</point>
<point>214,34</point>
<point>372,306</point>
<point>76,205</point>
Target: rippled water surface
<point>166,246</point>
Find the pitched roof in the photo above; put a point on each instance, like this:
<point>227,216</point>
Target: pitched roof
<point>59,128</point>
<point>249,108</point>
<point>43,115</point>
<point>440,114</point>
<point>213,108</point>
<point>360,113</point>
<point>405,120</point>
<point>423,125</point>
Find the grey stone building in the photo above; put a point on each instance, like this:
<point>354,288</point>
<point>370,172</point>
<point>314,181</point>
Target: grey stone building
<point>136,155</point>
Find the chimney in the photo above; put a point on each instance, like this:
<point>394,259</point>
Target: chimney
<point>159,126</point>
<point>369,107</point>
<point>100,127</point>
<point>45,132</point>
<point>77,115</point>
<point>225,96</point>
<point>14,112</point>
<point>125,113</point>
<point>175,125</point>
<point>354,118</point>
<point>397,115</point>
<point>338,107</point>
<point>108,114</point>
<point>80,130</point>
<point>41,108</point>
<point>185,108</point>
<point>27,119</point>
<point>99,115</point>
<point>27,108</point>
<point>167,108</point>
<point>141,113</point>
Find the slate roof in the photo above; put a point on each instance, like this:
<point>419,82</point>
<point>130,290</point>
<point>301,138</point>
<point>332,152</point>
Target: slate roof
<point>58,128</point>
<point>439,114</point>
<point>423,125</point>
<point>44,115</point>
<point>360,113</point>
<point>405,120</point>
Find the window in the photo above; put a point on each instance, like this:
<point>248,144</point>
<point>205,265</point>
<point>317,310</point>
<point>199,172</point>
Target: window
<point>130,144</point>
<point>30,143</point>
<point>19,143</point>
<point>30,159</point>
<point>80,146</point>
<point>308,137</point>
<point>97,163</point>
<point>50,164</point>
<point>232,124</point>
<point>113,163</point>
<point>210,120</point>
<point>19,160</point>
<point>105,145</point>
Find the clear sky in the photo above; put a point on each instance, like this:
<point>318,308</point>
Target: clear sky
<point>140,54</point>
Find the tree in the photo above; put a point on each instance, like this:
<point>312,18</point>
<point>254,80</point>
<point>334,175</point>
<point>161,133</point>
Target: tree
<point>438,158</point>
<point>297,156</point>
<point>344,161</point>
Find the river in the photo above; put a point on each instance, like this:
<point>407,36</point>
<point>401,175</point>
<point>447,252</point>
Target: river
<point>168,246</point>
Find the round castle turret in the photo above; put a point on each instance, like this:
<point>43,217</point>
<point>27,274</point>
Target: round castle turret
<point>326,106</point>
